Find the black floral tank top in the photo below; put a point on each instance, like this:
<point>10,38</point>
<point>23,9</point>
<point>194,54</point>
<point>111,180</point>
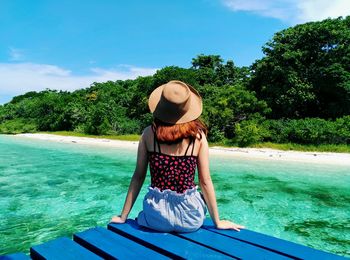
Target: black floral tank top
<point>173,172</point>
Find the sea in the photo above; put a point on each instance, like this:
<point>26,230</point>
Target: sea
<point>50,189</point>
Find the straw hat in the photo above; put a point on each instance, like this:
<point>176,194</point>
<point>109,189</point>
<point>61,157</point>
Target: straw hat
<point>175,102</point>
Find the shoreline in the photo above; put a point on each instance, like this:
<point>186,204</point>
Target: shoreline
<point>248,153</point>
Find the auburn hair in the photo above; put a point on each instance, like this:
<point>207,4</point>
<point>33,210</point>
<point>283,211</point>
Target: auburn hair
<point>170,133</point>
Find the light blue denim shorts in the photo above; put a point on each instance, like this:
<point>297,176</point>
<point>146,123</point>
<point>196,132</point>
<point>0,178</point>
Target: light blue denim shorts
<point>169,211</point>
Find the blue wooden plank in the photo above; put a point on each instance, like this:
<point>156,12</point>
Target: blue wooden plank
<point>166,243</point>
<point>274,244</point>
<point>61,248</point>
<point>230,246</point>
<point>16,256</point>
<point>110,245</point>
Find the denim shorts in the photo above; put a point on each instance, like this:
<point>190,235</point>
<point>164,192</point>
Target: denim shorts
<point>168,211</point>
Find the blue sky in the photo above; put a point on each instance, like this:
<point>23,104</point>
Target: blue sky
<point>70,44</point>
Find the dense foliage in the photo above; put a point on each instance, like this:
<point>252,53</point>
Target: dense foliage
<point>299,92</point>
<point>306,71</point>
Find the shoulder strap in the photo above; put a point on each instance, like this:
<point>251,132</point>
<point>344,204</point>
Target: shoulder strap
<point>189,146</point>
<point>194,140</point>
<point>155,141</point>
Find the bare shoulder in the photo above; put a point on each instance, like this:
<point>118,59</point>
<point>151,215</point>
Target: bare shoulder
<point>203,149</point>
<point>201,138</point>
<point>147,136</point>
<point>147,131</point>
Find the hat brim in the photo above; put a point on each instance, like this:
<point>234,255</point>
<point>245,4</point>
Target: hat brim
<point>195,107</point>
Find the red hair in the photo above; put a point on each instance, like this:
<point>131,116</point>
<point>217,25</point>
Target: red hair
<point>170,133</point>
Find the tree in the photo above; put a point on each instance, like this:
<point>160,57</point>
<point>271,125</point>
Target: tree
<point>207,61</point>
<point>210,69</point>
<point>166,74</point>
<point>306,70</point>
<point>226,106</point>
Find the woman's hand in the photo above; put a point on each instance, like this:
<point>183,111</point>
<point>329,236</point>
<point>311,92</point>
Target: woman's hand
<point>118,219</point>
<point>225,224</point>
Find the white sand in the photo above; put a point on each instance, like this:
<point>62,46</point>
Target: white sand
<point>249,153</point>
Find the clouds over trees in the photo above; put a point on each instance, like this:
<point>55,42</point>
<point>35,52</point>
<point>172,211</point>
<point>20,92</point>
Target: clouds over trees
<point>292,11</point>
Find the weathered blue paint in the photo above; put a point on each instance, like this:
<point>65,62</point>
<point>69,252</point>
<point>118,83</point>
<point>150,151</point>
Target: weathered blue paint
<point>108,244</point>
<point>230,246</point>
<point>16,256</point>
<point>130,241</point>
<point>166,243</point>
<point>274,244</point>
<point>62,248</point>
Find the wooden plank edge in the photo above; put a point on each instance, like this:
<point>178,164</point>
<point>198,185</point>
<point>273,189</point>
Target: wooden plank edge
<point>91,247</point>
<point>143,242</point>
<point>295,254</point>
<point>55,246</point>
<point>212,247</point>
<point>14,256</point>
<point>35,255</point>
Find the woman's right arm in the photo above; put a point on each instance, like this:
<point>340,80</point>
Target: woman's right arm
<point>207,188</point>
<point>136,181</point>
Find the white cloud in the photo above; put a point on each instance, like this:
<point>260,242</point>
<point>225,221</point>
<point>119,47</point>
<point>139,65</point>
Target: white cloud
<point>16,54</point>
<point>19,78</point>
<point>322,9</point>
<point>292,11</point>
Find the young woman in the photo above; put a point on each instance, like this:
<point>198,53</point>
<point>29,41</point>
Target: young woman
<point>174,146</point>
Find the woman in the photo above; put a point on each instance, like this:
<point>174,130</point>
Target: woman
<point>174,146</point>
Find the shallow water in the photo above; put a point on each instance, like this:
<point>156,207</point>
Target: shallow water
<point>50,189</point>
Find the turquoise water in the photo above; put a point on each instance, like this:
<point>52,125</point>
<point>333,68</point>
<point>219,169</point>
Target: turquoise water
<point>49,189</point>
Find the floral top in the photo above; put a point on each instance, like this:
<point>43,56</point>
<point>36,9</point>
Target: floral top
<point>172,172</point>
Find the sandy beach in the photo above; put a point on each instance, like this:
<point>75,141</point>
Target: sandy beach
<point>249,153</point>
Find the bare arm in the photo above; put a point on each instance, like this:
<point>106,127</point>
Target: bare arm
<point>136,182</point>
<point>207,188</point>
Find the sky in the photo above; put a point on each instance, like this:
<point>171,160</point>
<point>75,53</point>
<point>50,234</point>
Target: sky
<point>67,45</point>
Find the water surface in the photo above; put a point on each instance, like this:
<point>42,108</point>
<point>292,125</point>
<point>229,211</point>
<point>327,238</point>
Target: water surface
<point>50,189</point>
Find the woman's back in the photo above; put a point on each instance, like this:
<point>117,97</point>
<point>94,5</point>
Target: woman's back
<point>173,171</point>
<point>176,149</point>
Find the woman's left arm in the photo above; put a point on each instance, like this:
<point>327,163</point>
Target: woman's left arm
<point>136,181</point>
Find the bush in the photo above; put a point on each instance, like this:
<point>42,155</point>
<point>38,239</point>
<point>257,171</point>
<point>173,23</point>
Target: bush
<point>309,131</point>
<point>249,132</point>
<point>278,131</point>
<point>104,128</point>
<point>128,126</point>
<point>342,128</point>
<point>215,135</point>
<point>18,125</point>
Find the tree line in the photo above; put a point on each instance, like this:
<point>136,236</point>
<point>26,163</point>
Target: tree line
<point>298,92</point>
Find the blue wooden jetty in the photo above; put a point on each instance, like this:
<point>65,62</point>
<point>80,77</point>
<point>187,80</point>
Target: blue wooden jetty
<point>130,241</point>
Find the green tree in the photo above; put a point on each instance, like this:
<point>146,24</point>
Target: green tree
<point>210,69</point>
<point>306,70</point>
<point>226,106</point>
<point>166,74</point>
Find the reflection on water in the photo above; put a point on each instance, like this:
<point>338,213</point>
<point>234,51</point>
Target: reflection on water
<point>48,190</point>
